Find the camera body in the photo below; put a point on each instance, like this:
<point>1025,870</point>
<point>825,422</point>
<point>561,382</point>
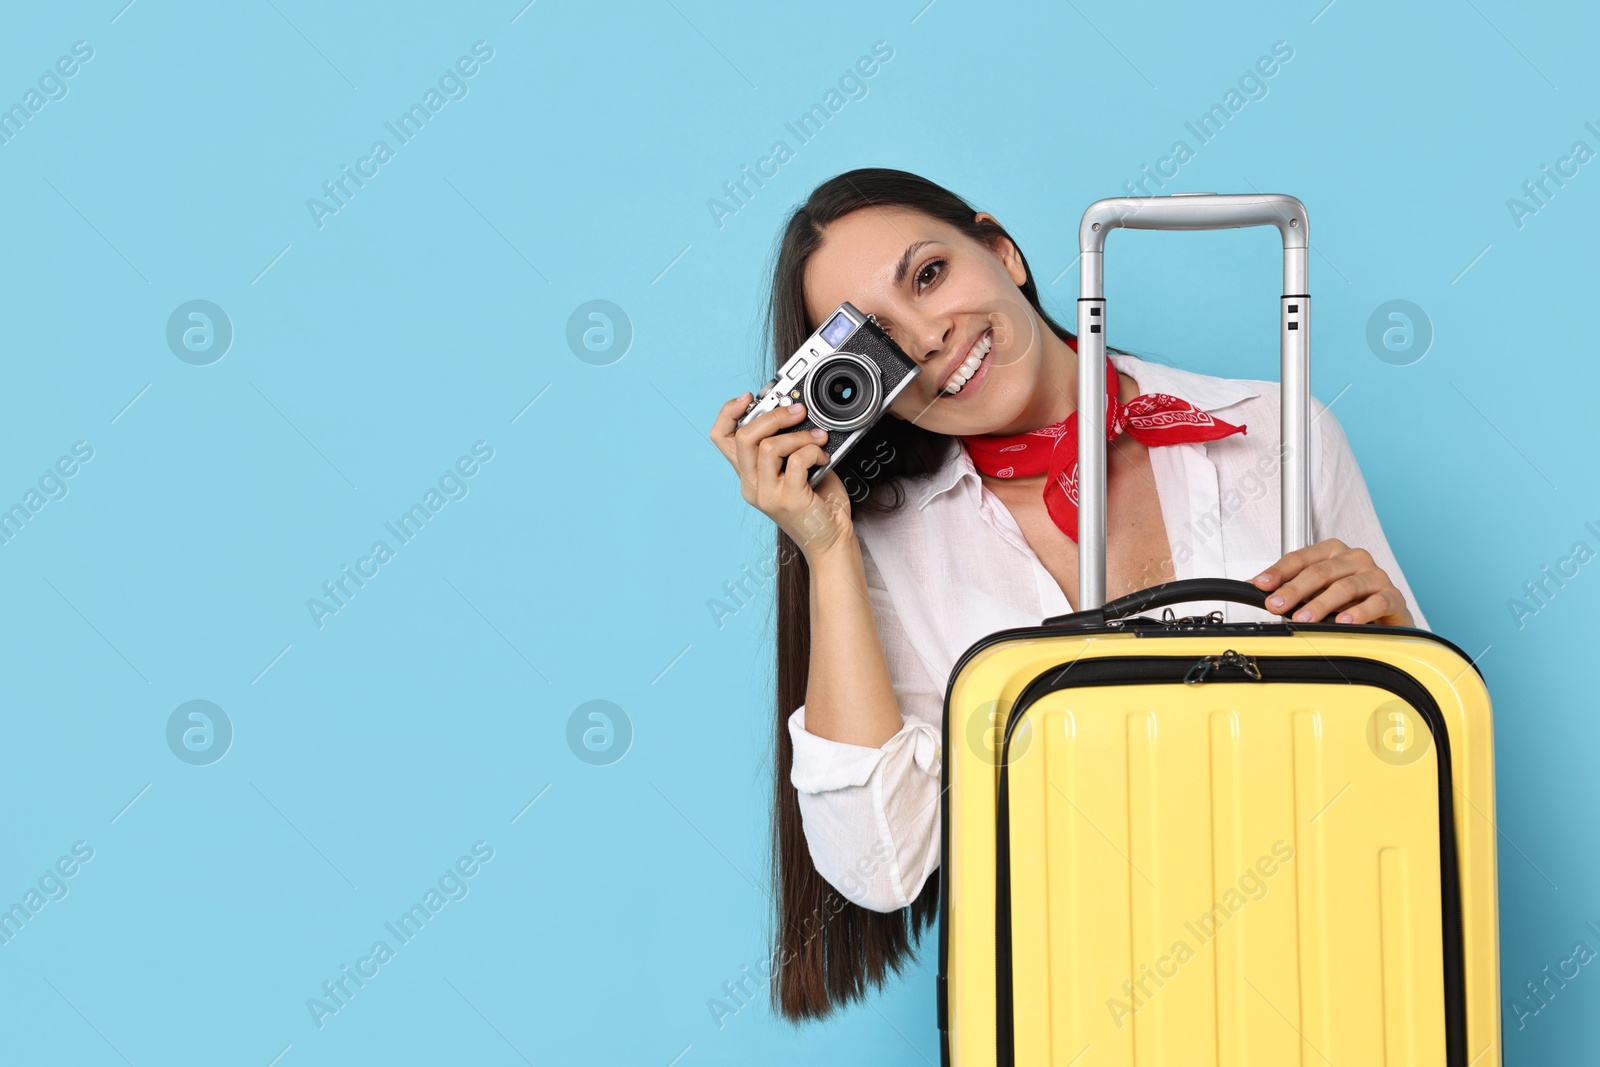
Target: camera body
<point>846,374</point>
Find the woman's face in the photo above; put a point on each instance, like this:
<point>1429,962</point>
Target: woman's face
<point>943,297</point>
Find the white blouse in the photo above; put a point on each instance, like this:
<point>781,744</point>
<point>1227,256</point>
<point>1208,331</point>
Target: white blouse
<point>951,566</point>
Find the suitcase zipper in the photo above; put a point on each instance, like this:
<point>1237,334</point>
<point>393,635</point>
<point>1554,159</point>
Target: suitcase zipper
<point>1230,658</point>
<point>1133,670</point>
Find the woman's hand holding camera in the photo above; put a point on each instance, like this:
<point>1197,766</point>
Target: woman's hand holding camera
<point>773,468</point>
<point>849,694</point>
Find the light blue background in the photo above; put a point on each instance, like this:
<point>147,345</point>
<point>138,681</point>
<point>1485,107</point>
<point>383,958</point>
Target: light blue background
<point>431,311</point>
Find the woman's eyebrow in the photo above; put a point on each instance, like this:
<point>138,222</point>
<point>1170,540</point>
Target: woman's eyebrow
<point>905,261</point>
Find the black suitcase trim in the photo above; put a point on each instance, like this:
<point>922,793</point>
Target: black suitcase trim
<point>1139,625</point>
<point>1138,670</point>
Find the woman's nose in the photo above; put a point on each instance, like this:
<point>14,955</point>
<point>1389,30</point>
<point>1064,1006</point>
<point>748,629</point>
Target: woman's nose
<point>931,340</point>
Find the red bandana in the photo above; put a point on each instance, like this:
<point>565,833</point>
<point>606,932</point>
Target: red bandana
<point>1152,418</point>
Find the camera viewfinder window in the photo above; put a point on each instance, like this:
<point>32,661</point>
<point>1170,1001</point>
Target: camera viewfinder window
<point>837,330</point>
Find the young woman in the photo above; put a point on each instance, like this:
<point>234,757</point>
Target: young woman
<point>945,526</point>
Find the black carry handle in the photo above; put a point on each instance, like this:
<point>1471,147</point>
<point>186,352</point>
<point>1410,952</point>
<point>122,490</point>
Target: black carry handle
<point>1156,596</point>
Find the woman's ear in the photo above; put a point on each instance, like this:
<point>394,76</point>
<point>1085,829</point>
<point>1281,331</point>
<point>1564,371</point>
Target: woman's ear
<point>1006,251</point>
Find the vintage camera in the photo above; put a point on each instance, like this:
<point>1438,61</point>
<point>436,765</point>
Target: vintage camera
<point>846,374</point>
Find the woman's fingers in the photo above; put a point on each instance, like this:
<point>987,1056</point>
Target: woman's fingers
<point>1302,590</point>
<point>823,511</point>
<point>773,459</point>
<point>771,475</point>
<point>749,437</point>
<point>1339,594</point>
<point>1383,607</point>
<point>1294,562</point>
<point>797,474</point>
<point>1330,578</point>
<point>1297,576</point>
<point>727,422</point>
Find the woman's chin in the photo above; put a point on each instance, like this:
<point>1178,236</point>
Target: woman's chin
<point>985,415</point>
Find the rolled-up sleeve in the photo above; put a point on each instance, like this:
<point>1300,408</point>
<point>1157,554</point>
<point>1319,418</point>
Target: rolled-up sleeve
<point>871,815</point>
<point>1341,506</point>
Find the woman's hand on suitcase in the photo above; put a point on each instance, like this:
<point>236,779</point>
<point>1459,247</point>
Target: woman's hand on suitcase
<point>773,468</point>
<point>1330,577</point>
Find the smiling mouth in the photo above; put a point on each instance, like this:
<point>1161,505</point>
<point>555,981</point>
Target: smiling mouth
<point>969,367</point>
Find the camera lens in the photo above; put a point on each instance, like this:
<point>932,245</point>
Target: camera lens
<point>843,391</point>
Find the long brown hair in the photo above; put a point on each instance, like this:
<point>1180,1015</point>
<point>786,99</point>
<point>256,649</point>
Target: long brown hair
<point>828,950</point>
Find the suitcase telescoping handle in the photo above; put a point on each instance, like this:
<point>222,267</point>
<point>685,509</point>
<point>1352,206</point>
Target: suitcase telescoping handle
<point>1189,211</point>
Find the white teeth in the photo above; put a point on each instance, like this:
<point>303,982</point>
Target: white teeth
<point>969,366</point>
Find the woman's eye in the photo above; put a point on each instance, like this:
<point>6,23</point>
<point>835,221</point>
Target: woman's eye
<point>923,273</point>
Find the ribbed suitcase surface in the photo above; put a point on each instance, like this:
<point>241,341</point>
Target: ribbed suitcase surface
<point>1235,871</point>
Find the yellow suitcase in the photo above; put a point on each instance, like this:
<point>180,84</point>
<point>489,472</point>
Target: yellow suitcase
<point>1186,841</point>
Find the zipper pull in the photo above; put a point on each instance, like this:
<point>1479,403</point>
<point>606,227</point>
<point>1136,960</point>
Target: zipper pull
<point>1229,658</point>
<point>1234,659</point>
<point>1201,668</point>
